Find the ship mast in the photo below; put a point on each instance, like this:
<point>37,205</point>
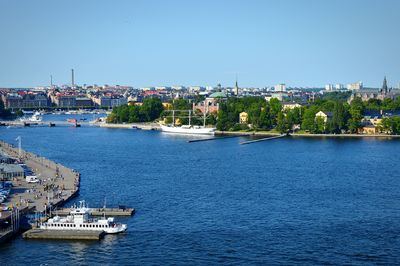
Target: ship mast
<point>205,113</point>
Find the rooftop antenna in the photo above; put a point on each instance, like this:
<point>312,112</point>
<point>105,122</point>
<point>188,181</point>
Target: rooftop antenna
<point>51,81</point>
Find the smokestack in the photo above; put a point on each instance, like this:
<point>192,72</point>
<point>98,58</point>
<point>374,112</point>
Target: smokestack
<point>72,76</point>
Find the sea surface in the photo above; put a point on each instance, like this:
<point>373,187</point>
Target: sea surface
<point>293,201</point>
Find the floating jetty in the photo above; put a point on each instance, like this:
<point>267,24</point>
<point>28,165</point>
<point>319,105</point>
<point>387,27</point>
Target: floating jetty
<point>216,138</point>
<point>100,211</point>
<point>263,139</point>
<point>63,234</point>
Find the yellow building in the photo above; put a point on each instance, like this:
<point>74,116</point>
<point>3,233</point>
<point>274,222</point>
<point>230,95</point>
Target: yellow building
<point>243,118</point>
<point>369,130</point>
<point>290,106</point>
<point>325,116</point>
<point>133,103</point>
<point>167,105</point>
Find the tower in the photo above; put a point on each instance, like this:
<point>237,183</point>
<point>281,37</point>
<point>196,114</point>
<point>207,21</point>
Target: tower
<point>384,86</point>
<point>72,78</point>
<point>236,90</point>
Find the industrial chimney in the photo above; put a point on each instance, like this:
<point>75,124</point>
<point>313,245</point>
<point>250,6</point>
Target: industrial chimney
<point>72,77</point>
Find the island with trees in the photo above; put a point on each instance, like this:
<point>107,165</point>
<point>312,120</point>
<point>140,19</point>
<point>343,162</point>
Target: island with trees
<point>274,116</point>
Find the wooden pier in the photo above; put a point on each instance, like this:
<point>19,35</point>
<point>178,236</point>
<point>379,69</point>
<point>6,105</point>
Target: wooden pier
<point>63,234</point>
<point>100,211</point>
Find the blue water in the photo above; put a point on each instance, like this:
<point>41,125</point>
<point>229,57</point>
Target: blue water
<point>285,201</point>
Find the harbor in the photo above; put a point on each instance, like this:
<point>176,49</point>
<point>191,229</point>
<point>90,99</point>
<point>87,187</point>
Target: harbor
<point>291,177</point>
<point>43,187</point>
<point>57,183</point>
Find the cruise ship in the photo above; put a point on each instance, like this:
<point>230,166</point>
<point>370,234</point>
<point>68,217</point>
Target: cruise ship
<point>80,219</point>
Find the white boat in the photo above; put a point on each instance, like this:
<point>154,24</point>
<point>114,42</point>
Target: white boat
<point>34,118</point>
<point>25,112</point>
<point>80,219</point>
<point>188,129</point>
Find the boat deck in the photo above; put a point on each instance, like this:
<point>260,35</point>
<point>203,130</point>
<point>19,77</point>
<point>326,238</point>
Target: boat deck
<point>100,211</point>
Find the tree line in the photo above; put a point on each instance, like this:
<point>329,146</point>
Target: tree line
<point>344,117</point>
<point>148,111</point>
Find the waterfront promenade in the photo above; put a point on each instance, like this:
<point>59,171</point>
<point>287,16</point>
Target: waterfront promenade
<point>56,185</point>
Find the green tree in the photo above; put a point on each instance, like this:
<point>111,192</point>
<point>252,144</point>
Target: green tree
<point>309,119</point>
<point>320,125</point>
<point>255,115</point>
<point>151,108</point>
<point>275,108</point>
<point>338,119</point>
<point>356,110</point>
<point>181,104</point>
<point>281,123</point>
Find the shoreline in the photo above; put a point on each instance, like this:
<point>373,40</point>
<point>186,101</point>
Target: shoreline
<point>57,185</point>
<point>61,181</point>
<point>155,126</point>
<point>306,135</point>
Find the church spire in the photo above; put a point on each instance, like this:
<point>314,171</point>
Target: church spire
<point>236,91</point>
<point>384,85</point>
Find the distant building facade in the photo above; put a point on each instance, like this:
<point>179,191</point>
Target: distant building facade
<point>384,93</point>
<point>211,103</point>
<point>243,118</point>
<point>355,86</point>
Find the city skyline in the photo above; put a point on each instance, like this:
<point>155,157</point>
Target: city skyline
<point>141,44</point>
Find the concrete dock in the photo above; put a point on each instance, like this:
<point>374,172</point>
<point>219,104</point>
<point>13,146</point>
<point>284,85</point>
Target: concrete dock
<point>143,126</point>
<point>63,234</point>
<point>263,139</point>
<point>57,183</point>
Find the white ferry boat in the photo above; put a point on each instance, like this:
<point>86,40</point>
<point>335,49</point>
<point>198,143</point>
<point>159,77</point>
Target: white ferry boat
<point>34,118</point>
<point>80,219</point>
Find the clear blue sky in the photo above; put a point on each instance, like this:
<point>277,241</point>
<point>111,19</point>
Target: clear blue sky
<point>145,43</point>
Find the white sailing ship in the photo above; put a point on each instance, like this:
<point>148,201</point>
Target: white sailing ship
<point>80,219</point>
<point>188,129</point>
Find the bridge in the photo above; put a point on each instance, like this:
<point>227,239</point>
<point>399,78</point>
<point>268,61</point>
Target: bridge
<point>44,123</point>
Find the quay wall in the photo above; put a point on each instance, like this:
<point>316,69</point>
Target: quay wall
<point>62,181</point>
<point>144,126</point>
<point>306,135</point>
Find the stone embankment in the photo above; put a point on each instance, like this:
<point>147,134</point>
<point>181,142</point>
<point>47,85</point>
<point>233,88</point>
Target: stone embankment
<point>56,185</point>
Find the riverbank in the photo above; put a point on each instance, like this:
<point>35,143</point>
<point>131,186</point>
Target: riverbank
<point>308,135</point>
<point>144,126</point>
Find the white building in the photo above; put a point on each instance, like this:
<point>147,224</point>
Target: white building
<point>355,86</point>
<point>177,87</point>
<point>195,88</point>
<point>339,86</point>
<point>147,89</point>
<point>329,87</point>
<point>280,87</point>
